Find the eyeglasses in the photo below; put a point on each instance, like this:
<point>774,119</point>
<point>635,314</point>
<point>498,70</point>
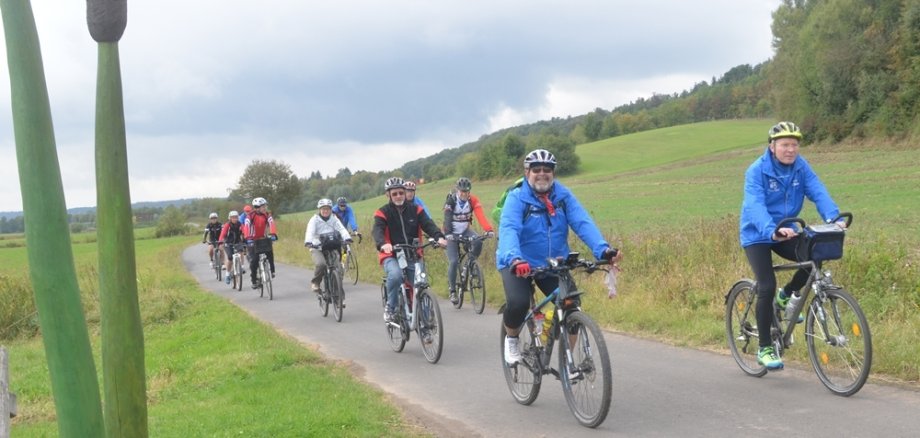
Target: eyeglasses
<point>541,169</point>
<point>395,193</point>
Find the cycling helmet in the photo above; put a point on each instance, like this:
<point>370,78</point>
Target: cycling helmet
<point>213,216</point>
<point>394,182</point>
<point>341,200</point>
<point>325,202</point>
<point>409,185</point>
<point>539,156</point>
<point>233,213</point>
<point>258,202</point>
<point>247,209</point>
<point>464,184</point>
<point>784,129</point>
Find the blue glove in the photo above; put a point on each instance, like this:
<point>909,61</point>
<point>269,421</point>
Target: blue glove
<point>274,237</point>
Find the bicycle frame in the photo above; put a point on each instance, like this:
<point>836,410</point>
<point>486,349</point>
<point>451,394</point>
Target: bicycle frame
<point>818,282</point>
<point>420,282</point>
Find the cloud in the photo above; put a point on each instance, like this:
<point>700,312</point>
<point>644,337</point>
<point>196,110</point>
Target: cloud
<point>212,81</point>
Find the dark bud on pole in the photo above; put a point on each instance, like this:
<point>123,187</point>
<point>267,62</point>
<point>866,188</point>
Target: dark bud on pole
<point>106,19</point>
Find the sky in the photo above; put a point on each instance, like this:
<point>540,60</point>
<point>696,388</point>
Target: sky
<point>211,85</point>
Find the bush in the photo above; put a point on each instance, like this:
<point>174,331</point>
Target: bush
<point>172,223</point>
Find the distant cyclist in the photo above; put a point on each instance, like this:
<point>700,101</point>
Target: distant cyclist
<point>410,196</point>
<point>211,236</point>
<point>323,223</point>
<point>260,232</point>
<point>398,222</point>
<point>346,214</point>
<point>535,224</point>
<point>775,188</point>
<point>459,209</point>
<point>231,234</point>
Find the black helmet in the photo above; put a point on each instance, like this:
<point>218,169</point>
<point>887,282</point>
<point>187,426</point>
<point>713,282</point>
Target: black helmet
<point>464,184</point>
<point>341,200</point>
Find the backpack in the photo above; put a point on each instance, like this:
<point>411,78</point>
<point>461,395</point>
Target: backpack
<point>497,211</point>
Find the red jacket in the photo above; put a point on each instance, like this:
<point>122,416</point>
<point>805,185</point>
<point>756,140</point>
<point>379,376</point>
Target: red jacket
<point>394,225</point>
<point>256,226</point>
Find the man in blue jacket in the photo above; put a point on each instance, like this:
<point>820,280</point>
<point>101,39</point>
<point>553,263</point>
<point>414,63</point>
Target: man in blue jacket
<point>535,224</point>
<point>775,188</point>
<point>346,215</point>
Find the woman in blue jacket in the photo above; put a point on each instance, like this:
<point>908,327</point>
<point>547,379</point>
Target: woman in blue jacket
<point>775,188</point>
<point>535,224</point>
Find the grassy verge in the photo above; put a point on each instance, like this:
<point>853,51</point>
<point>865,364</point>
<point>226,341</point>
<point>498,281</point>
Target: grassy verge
<point>211,369</point>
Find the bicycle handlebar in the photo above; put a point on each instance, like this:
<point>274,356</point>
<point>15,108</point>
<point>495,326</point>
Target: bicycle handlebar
<point>431,242</point>
<point>461,238</point>
<point>560,264</point>
<point>795,220</point>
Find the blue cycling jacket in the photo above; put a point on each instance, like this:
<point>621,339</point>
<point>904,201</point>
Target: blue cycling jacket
<point>418,201</point>
<point>773,192</point>
<point>528,232</point>
<point>346,216</point>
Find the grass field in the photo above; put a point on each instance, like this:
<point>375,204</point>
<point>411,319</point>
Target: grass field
<point>670,199</point>
<point>212,370</point>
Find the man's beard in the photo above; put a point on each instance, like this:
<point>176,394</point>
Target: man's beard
<point>398,204</point>
<point>542,186</point>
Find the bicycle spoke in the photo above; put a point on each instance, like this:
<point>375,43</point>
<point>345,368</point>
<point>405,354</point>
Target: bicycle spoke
<point>839,342</point>
<point>741,328</point>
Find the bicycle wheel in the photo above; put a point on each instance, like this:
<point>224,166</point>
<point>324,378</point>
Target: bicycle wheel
<point>525,377</point>
<point>337,294</point>
<point>267,278</point>
<point>477,288</point>
<point>397,330</point>
<point>322,297</point>
<point>741,327</point>
<point>351,267</point>
<point>459,283</point>
<point>839,342</point>
<point>588,382</point>
<point>430,326</point>
<point>217,263</point>
<point>238,273</point>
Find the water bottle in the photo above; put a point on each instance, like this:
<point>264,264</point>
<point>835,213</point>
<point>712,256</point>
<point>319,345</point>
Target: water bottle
<point>538,319</point>
<point>790,306</point>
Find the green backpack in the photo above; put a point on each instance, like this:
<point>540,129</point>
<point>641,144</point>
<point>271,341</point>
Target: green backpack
<point>497,211</point>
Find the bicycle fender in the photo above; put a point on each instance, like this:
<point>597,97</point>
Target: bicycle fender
<point>743,280</point>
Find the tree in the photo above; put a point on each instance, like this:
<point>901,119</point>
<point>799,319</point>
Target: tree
<point>171,223</point>
<point>271,180</point>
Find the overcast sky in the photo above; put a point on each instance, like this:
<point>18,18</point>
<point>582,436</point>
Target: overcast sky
<point>211,85</point>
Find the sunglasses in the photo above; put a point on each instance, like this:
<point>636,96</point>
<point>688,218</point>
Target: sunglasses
<point>395,193</point>
<point>541,169</point>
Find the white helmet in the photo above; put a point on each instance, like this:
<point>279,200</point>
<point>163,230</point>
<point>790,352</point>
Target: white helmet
<point>233,213</point>
<point>258,202</point>
<point>325,202</point>
<point>394,183</point>
<point>541,157</point>
<point>213,216</point>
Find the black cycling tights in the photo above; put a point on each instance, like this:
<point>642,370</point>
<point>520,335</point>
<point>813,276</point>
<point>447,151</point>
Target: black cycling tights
<point>518,292</point>
<point>254,264</point>
<point>761,259</point>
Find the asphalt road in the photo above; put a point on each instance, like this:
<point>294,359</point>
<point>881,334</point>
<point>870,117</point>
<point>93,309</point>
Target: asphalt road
<point>658,390</point>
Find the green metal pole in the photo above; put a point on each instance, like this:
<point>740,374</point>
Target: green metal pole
<point>122,332</point>
<point>54,279</point>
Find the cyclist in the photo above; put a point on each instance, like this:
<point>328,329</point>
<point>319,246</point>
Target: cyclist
<point>459,209</point>
<point>322,223</point>
<point>410,196</point>
<point>247,209</point>
<point>260,232</point>
<point>535,223</point>
<point>211,235</point>
<point>398,222</point>
<point>230,234</point>
<point>346,214</point>
<point>775,187</point>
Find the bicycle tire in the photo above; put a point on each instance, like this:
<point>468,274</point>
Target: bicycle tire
<point>351,267</point>
<point>217,262</point>
<point>741,327</point>
<point>397,332</point>
<point>338,294</point>
<point>430,326</point>
<point>477,288</point>
<point>238,273</point>
<point>322,299</point>
<point>459,283</point>
<point>523,378</point>
<point>842,355</point>
<point>267,278</point>
<point>588,394</point>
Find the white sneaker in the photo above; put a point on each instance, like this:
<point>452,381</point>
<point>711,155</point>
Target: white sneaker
<point>211,265</point>
<point>512,350</point>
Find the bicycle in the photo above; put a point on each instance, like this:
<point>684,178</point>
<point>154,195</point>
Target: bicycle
<point>583,356</point>
<point>264,273</point>
<point>469,276</point>
<point>836,330</point>
<point>418,308</point>
<point>236,266</point>
<point>350,262</point>
<point>332,292</point>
